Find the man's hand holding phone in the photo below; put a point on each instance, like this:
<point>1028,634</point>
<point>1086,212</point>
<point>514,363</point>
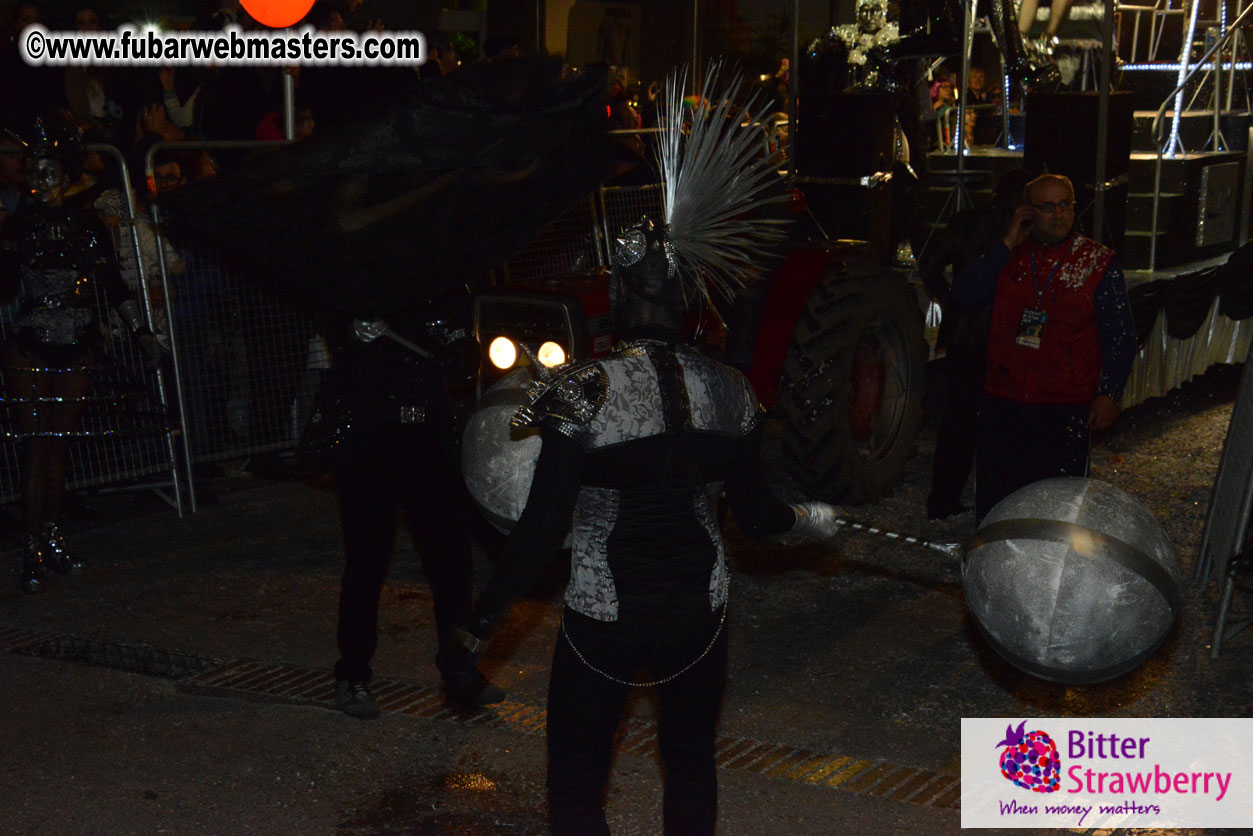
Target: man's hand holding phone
<point>1019,226</point>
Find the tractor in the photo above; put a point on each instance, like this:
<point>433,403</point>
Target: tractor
<point>833,342</point>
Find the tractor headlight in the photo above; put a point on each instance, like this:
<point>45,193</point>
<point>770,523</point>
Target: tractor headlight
<point>502,352</point>
<point>551,354</point>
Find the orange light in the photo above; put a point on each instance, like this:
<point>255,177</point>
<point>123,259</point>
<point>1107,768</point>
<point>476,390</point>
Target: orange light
<point>277,14</point>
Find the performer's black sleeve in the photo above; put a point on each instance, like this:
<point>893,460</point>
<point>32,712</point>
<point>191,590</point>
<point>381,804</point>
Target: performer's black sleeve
<point>539,532</point>
<point>944,250</point>
<point>1116,329</point>
<point>757,512</point>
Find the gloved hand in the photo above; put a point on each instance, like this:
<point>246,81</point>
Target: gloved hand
<point>130,314</point>
<point>456,664</point>
<point>472,638</point>
<point>816,520</point>
<point>464,686</point>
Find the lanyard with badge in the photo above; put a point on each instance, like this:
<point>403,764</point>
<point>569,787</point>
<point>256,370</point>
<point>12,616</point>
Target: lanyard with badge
<point>1031,326</point>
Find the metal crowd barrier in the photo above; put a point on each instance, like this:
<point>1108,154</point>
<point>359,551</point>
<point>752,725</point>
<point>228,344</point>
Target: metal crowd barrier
<point>582,238</point>
<point>568,244</point>
<point>125,440</point>
<point>248,358</point>
<point>622,206</point>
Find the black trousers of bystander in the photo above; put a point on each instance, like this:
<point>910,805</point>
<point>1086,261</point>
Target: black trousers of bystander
<point>958,435</point>
<point>411,469</point>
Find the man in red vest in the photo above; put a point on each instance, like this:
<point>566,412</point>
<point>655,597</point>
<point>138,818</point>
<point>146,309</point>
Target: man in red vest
<point>1060,347</point>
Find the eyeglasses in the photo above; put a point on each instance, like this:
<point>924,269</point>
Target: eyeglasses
<point>1051,207</point>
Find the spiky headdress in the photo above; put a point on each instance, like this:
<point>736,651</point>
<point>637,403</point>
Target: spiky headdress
<point>43,138</point>
<point>717,175</point>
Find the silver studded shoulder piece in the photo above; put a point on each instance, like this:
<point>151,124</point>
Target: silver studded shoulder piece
<point>568,403</point>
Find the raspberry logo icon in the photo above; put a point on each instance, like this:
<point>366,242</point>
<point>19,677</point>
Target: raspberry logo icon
<point>1030,759</point>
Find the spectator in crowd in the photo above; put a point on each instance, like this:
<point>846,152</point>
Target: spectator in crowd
<point>780,86</point>
<point>272,129</point>
<point>441,57</point>
<point>1060,344</point>
<point>97,111</point>
<point>179,110</point>
<point>963,339</point>
<point>360,16</point>
<point>232,100</point>
<point>327,18</point>
<point>944,105</point>
<point>124,230</point>
<point>152,124</point>
<point>631,166</point>
<point>982,115</point>
<point>215,15</point>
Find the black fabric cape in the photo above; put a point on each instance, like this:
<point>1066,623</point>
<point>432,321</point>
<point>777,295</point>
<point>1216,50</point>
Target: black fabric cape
<point>374,218</point>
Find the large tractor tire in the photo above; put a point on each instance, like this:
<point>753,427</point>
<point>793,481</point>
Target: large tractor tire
<point>852,386</point>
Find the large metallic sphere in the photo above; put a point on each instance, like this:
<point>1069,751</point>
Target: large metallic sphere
<point>497,460</point>
<point>1072,580</point>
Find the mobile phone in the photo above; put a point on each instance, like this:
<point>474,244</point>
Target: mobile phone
<point>1028,219</point>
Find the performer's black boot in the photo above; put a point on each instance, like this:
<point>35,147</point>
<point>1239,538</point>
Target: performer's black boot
<point>1042,77</point>
<point>33,575</point>
<point>57,554</point>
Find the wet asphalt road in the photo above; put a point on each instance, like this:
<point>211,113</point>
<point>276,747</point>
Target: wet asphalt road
<point>857,655</point>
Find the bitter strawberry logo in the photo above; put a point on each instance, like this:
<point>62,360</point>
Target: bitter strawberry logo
<point>1030,759</point>
<point>277,14</point>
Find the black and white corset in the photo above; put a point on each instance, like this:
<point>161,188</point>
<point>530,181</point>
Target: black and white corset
<point>648,409</point>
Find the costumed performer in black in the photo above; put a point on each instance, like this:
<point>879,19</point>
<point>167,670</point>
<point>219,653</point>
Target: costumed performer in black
<point>636,449</point>
<point>397,450</point>
<point>55,260</point>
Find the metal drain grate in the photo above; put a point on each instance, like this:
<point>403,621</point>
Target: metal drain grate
<point>143,659</point>
<point>267,681</point>
<point>263,680</point>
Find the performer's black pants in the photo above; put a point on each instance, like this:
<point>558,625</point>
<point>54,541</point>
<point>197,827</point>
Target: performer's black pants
<point>410,469</point>
<point>584,708</point>
<point>1024,443</point>
<point>957,438</point>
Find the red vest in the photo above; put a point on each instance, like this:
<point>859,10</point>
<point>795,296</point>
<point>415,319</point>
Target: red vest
<point>1066,367</point>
